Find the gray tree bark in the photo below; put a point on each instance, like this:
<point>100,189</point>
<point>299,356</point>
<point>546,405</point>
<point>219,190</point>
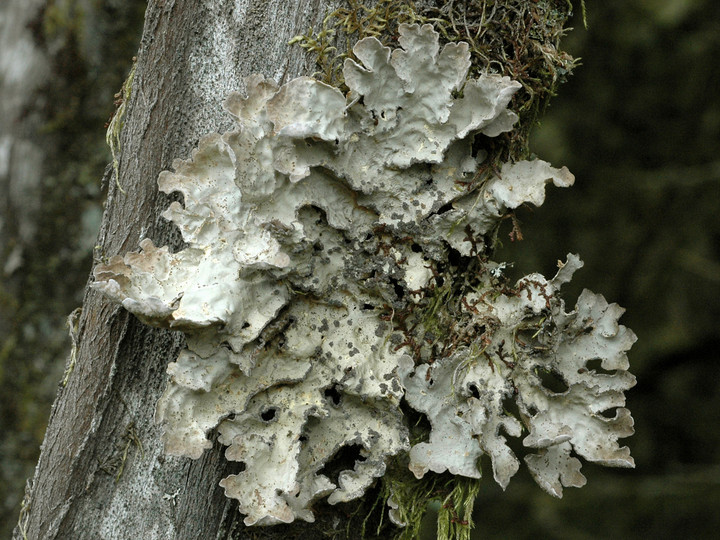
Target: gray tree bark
<point>102,472</point>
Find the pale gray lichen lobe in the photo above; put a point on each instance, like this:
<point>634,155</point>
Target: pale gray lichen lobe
<point>308,227</point>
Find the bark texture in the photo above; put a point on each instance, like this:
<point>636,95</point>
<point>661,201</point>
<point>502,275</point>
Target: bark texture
<point>102,472</point>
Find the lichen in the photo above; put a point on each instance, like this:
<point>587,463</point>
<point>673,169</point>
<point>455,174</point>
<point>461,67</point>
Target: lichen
<point>526,332</point>
<point>336,271</point>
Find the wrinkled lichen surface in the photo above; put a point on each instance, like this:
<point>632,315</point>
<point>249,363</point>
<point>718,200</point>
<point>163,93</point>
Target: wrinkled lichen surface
<point>337,267</point>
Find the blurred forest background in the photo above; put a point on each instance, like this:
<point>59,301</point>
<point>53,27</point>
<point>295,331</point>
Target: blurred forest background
<point>638,124</point>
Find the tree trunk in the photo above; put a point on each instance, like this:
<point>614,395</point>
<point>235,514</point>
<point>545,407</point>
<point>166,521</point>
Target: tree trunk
<point>102,472</point>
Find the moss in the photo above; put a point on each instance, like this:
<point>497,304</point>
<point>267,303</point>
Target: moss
<point>72,322</point>
<point>112,136</point>
<point>455,515</point>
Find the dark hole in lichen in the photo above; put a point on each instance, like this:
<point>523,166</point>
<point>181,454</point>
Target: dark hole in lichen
<point>245,325</point>
<point>445,208</point>
<point>343,460</point>
<point>399,289</point>
<point>368,307</point>
<point>510,406</point>
<point>552,380</point>
<point>480,144</point>
<point>596,365</point>
<point>455,258</point>
<point>268,414</point>
<point>610,413</point>
<point>416,248</point>
<point>526,338</point>
<point>311,213</point>
<point>474,392</point>
<point>334,394</point>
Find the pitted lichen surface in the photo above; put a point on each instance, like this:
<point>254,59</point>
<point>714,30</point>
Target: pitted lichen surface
<point>330,239</point>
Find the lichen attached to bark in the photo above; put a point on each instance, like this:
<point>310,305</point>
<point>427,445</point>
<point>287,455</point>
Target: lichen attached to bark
<point>336,265</point>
